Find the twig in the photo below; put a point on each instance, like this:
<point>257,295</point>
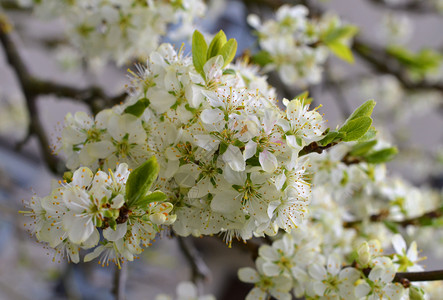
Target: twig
<point>315,147</point>
<point>199,270</point>
<point>119,285</point>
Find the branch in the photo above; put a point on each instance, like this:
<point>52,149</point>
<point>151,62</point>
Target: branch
<point>198,267</point>
<point>412,6</point>
<point>381,62</point>
<point>315,147</point>
<point>93,96</point>
<point>25,81</point>
<point>383,216</point>
<point>419,276</point>
<point>119,284</point>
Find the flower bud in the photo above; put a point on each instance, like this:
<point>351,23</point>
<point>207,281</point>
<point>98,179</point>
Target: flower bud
<point>158,218</point>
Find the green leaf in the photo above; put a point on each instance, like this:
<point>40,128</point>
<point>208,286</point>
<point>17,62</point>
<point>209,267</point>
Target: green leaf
<point>113,224</point>
<point>229,72</point>
<point>369,135</point>
<point>199,50</point>
<point>382,155</point>
<point>140,181</point>
<point>422,62</point>
<point>138,108</point>
<point>223,148</point>
<point>355,128</point>
<point>391,226</point>
<point>416,293</point>
<point>228,51</point>
<point>341,51</point>
<point>216,44</point>
<point>340,33</point>
<point>156,196</point>
<point>362,148</point>
<point>262,58</point>
<point>330,137</point>
<point>363,110</point>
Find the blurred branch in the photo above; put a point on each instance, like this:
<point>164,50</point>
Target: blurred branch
<point>381,62</point>
<point>35,127</point>
<point>412,6</point>
<point>33,87</point>
<point>119,285</point>
<point>199,269</point>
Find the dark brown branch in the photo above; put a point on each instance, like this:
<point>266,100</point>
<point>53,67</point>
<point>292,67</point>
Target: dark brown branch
<point>199,270</point>
<point>419,276</point>
<point>35,127</point>
<point>315,147</point>
<point>119,284</point>
<point>412,6</point>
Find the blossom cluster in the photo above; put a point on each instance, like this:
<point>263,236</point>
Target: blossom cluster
<point>228,154</point>
<point>74,214</point>
<point>297,263</point>
<point>120,30</point>
<point>297,46</point>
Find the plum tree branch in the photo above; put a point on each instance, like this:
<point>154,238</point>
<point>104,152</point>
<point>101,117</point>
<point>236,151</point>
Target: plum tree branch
<point>412,6</point>
<point>33,87</point>
<point>199,270</point>
<point>383,216</point>
<point>35,126</point>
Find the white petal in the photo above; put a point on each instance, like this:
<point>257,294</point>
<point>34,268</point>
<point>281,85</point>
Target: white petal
<point>317,271</point>
<point>226,202</point>
<point>114,235</point>
<point>248,275</point>
<point>234,158</point>
<point>82,177</point>
<point>399,244</point>
<point>250,149</point>
<point>268,161</point>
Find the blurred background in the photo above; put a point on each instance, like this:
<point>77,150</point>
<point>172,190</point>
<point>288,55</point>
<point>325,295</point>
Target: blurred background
<point>409,114</point>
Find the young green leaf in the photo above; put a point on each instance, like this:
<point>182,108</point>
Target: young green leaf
<point>382,155</point>
<point>340,33</point>
<point>262,58</point>
<point>216,44</point>
<point>138,108</point>
<point>362,148</point>
<point>363,110</point>
<point>369,135</point>
<point>228,51</point>
<point>156,196</point>
<point>329,138</point>
<point>199,50</point>
<point>341,50</point>
<point>140,181</point>
<point>355,128</point>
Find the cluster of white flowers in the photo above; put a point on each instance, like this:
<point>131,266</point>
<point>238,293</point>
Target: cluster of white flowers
<point>297,46</point>
<point>120,30</point>
<point>228,154</point>
<point>70,217</point>
<point>299,263</point>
